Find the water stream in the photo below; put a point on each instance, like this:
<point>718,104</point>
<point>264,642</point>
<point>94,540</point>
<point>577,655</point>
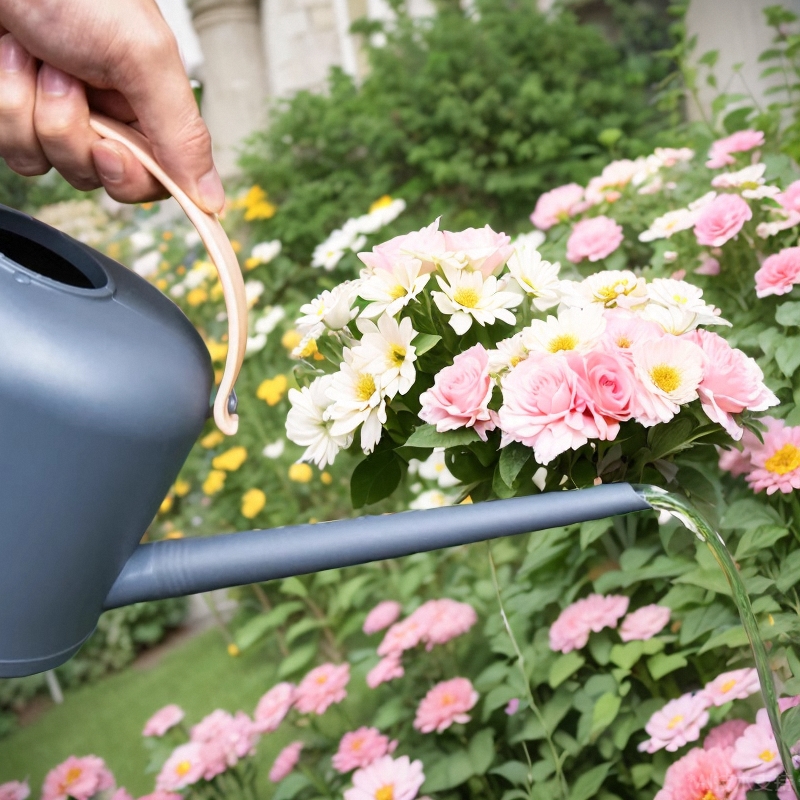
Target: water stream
<point>688,515</point>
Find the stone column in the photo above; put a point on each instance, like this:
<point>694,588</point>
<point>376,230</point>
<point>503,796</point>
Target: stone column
<point>234,74</point>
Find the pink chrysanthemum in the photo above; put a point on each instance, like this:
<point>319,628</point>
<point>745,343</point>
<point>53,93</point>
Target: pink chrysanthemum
<point>755,753</point>
<point>225,739</point>
<point>183,768</point>
<point>644,623</point>
<point>122,794</point>
<point>398,779</point>
<point>273,707</point>
<point>360,748</point>
<point>285,762</point>
<point>725,735</point>
<point>164,719</point>
<point>776,463</point>
<point>79,778</point>
<point>14,790</point>
<point>785,792</point>
<point>445,703</point>
<point>322,687</point>
<point>702,775</point>
<point>593,613</point>
<point>676,724</point>
<point>387,669</point>
<point>382,616</point>
<point>734,685</point>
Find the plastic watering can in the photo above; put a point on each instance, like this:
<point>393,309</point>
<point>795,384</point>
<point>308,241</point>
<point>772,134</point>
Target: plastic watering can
<point>104,388</point>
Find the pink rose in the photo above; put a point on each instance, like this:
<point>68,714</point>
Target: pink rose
<point>739,142</point>
<point>485,250</point>
<point>779,273</point>
<point>557,205</point>
<point>422,244</point>
<point>789,198</point>
<point>612,386</point>
<point>460,395</point>
<point>721,220</point>
<point>644,623</point>
<point>594,239</point>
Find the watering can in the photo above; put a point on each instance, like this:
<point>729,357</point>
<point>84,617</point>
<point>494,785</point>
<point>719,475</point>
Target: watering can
<point>104,388</point>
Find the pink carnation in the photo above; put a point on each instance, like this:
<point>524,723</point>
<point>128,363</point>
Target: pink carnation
<point>776,463</point>
<point>285,762</point>
<point>594,238</point>
<point>739,142</point>
<point>485,250</point>
<point>734,685</point>
<point>790,197</point>
<point>725,735</point>
<point>424,244</point>
<point>382,616</point>
<point>273,707</point>
<point>676,724</point>
<point>322,687</point>
<point>445,703</point>
<point>721,220</point>
<point>644,623</point>
<point>14,790</point>
<point>79,778</point>
<point>398,779</point>
<point>360,748</point>
<point>444,619</point>
<point>779,273</point>
<point>700,775</point>
<point>183,768</point>
<point>755,753</point>
<point>557,205</point>
<point>387,669</point>
<point>460,395</point>
<point>593,613</point>
<point>164,719</point>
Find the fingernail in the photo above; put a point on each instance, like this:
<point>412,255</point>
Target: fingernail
<point>109,163</point>
<point>13,56</point>
<point>211,192</point>
<point>54,81</point>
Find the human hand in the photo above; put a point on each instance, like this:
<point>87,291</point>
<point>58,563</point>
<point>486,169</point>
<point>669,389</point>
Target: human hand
<point>119,58</point>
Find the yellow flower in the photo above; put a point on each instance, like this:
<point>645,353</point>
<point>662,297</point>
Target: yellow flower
<point>162,284</point>
<point>310,350</point>
<point>231,459</point>
<point>166,236</point>
<point>467,501</point>
<point>233,650</point>
<point>166,504</point>
<point>181,487</point>
<point>263,210</point>
<point>164,266</point>
<point>217,350</point>
<point>256,204</point>
<point>217,376</point>
<point>381,202</point>
<point>326,478</point>
<point>253,501</point>
<point>272,390</point>
<point>291,339</point>
<point>251,263</point>
<point>214,482</point>
<point>174,535</point>
<point>113,250</point>
<point>212,439</point>
<point>147,206</point>
<point>300,473</point>
<point>181,270</point>
<point>196,297</point>
<point>236,245</point>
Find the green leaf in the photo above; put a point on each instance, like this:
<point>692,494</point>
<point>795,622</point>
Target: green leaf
<point>390,713</point>
<point>260,625</point>
<point>662,664</point>
<point>302,627</point>
<point>788,314</point>
<point>499,696</point>
<point>787,356</point>
<point>513,771</point>
<point>424,342</point>
<point>593,530</point>
<point>790,572</point>
<point>294,586</point>
<point>626,655</point>
<point>564,666</point>
<point>758,539</point>
<point>641,774</point>
<point>704,619</point>
<point>375,478</point>
<point>512,459</point>
<point>670,438</point>
<point>589,783</point>
<point>604,713</point>
<point>481,750</point>
<point>790,724</point>
<point>749,513</point>
<point>449,772</point>
<point>427,436</point>
<point>731,639</point>
<point>297,660</point>
<point>290,786</point>
<point>500,487</point>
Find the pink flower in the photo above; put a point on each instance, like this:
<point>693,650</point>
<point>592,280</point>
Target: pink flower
<point>224,739</point>
<point>779,273</point>
<point>623,329</point>
<point>710,266</point>
<point>594,238</point>
<point>644,623</point>
<point>387,669</point>
<point>739,142</point>
<point>444,619</point>
<point>14,790</point>
<point>382,616</point>
<point>398,779</point>
<point>776,463</point>
<point>121,794</point>
<point>557,205</point>
<point>322,687</point>
<point>734,685</point>
<point>755,754</point>
<point>424,244</point>
<point>701,775</point>
<point>785,792</point>
<point>512,707</point>
<point>790,197</point>
<point>612,385</point>
<point>593,613</point>
<point>484,249</point>
<point>403,635</point>
<point>677,723</point>
<point>445,703</point>
<point>161,795</point>
<point>183,768</point>
<point>740,462</point>
<point>273,707</point>
<point>79,778</point>
<point>721,220</point>
<point>460,395</point>
<point>725,735</point>
<point>360,748</point>
<point>285,762</point>
<point>164,719</point>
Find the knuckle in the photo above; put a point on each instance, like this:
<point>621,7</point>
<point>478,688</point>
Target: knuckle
<point>26,166</point>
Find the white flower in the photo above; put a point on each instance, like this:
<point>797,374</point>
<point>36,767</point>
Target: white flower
<point>508,354</point>
<point>614,176</point>
<point>147,264</point>
<point>574,329</point>
<point>332,310</point>
<point>255,344</point>
<point>387,350</point>
<point>269,320</point>
<point>536,277</point>
<point>468,295</point>
<point>702,202</point>
<point>252,291</point>
<point>748,178</point>
<point>392,291</point>
<point>670,256</point>
<point>433,498</point>
<point>274,450</point>
<point>670,156</point>
<point>609,289</point>
<point>264,252</point>
<point>533,239</point>
<point>141,240</point>
<point>434,469</point>
<point>672,320</point>
<point>328,254</point>
<point>198,274</point>
<point>671,293</point>
<point>306,423</point>
<point>357,400</point>
<point>782,220</point>
<point>663,227</point>
<point>540,478</point>
<point>191,238</point>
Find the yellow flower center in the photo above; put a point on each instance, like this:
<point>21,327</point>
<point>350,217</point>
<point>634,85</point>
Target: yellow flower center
<point>397,355</point>
<point>322,679</point>
<point>624,342</point>
<point>182,767</point>
<point>466,297</point>
<point>447,699</point>
<point>564,341</point>
<point>385,792</point>
<point>787,459</point>
<point>365,387</point>
<point>397,291</point>
<point>665,377</point>
<point>309,350</point>
<point>72,775</point>
<point>727,686</point>
<point>608,294</point>
<point>381,202</point>
<point>675,721</point>
<point>356,744</point>
<point>679,298</point>
<point>767,755</point>
<point>709,795</point>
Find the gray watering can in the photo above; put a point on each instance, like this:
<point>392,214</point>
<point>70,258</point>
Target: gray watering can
<point>104,388</point>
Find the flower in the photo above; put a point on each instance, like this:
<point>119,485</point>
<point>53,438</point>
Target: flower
<point>444,704</point>
<point>274,449</point>
<point>359,748</point>
<point>623,328</point>
<point>329,253</point>
<point>433,498</point>
<point>14,790</point>
<point>184,767</point>
<point>322,687</point>
<point>644,623</point>
<point>536,277</point>
<point>702,775</point>
<point>391,290</point>
<point>382,616</point>
<point>253,500</point>
<point>444,619</point>
<point>512,707</point>
<point>476,249</point>
<point>594,238</point>
<point>750,180</point>
<point>387,351</point>
<point>231,459</point>
<point>272,390</point>
<point>776,462</point>
<point>79,778</point>
<point>300,473</point>
<point>162,795</point>
<point>403,635</point>
<point>663,227</point>
<point>264,252</point>
<point>740,142</point>
<point>734,685</point>
<point>214,482</point>
<point>460,395</point>
<point>755,753</point>
<point>709,266</point>
<point>424,245</point>
<point>677,723</point>
<point>387,779</point>
<point>720,220</point>
<point>273,707</point>
<point>387,669</point>
<point>557,205</point>
<point>573,329</point>
<point>593,613</point>
<point>779,273</point>
<point>725,735</point>
<point>786,792</point>
<point>608,289</point>
<point>285,761</point>
<point>435,469</point>
<point>211,440</point>
<point>224,739</point>
<point>611,386</point>
<point>615,176</point>
<point>681,296</point>
<point>164,719</point>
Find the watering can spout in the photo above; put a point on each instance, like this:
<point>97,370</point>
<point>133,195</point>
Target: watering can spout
<point>179,567</point>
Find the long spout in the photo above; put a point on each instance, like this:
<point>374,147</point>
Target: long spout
<point>185,566</point>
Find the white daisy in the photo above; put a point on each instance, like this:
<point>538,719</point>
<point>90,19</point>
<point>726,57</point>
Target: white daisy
<point>392,291</point>
<point>433,498</point>
<point>387,350</point>
<point>252,291</point>
<point>609,289</point>
<point>264,252</point>
<point>147,264</point>
<point>508,354</point>
<point>269,320</point>
<point>533,239</point>
<point>672,320</point>
<point>573,329</point>
<point>663,227</point>
<point>781,220</point>
<point>748,178</point>
<point>671,293</point>
<point>275,449</point>
<point>332,310</point>
<point>434,469</point>
<point>535,276</point>
<point>329,253</point>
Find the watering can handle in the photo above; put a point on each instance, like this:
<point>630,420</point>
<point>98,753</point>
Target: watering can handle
<point>219,250</point>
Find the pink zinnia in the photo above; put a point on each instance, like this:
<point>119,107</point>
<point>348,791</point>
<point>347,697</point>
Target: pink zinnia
<point>779,273</point>
<point>273,707</point>
<point>734,685</point>
<point>14,790</point>
<point>593,613</point>
<point>725,735</point>
<point>702,775</point>
<point>183,768</point>
<point>785,792</point>
<point>445,703</point>
<point>285,762</point>
<point>382,616</point>
<point>79,778</point>
<point>387,669</point>
<point>403,635</point>
<point>424,244</point>
<point>739,142</point>
<point>322,687</point>
<point>721,220</point>
<point>557,205</point>
<point>224,739</point>
<point>594,238</point>
<point>644,623</point>
<point>360,748</point>
<point>444,619</point>
<point>164,719</point>
<point>776,463</point>
<point>677,723</point>
<point>755,753</point>
<point>398,779</point>
<point>485,250</point>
